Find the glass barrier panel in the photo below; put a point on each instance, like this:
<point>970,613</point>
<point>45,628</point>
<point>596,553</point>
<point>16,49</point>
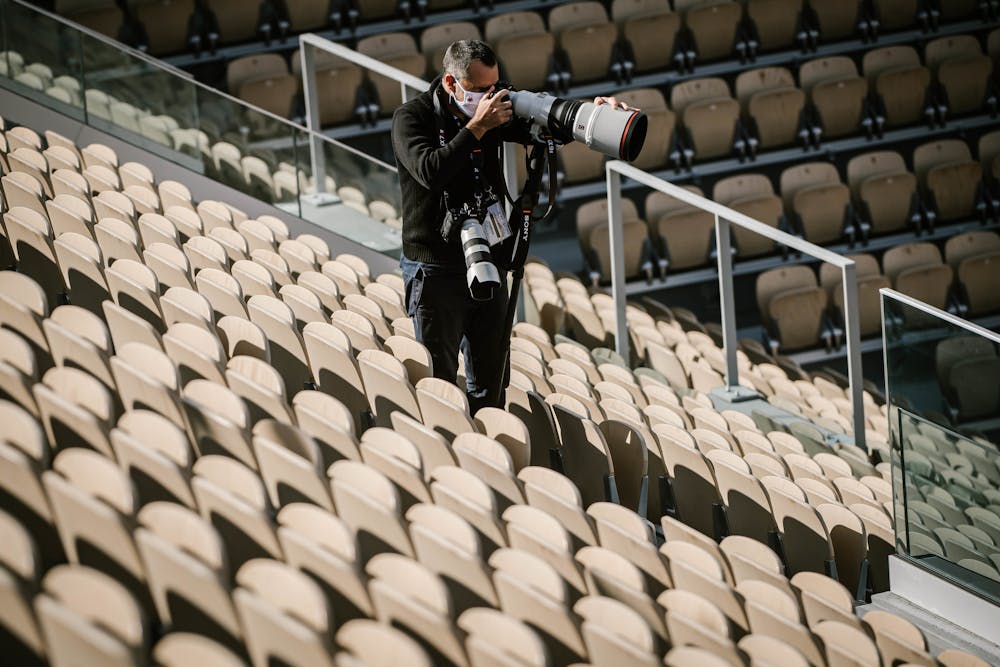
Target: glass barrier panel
<point>41,58</point>
<point>135,99</point>
<point>243,147</point>
<point>360,200</point>
<point>943,387</point>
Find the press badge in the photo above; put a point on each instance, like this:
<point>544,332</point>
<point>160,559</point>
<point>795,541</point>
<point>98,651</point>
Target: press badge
<point>495,224</point>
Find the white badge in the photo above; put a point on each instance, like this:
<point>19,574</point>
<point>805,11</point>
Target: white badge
<point>495,225</point>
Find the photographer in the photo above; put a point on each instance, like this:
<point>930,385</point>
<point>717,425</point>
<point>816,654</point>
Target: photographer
<point>447,144</point>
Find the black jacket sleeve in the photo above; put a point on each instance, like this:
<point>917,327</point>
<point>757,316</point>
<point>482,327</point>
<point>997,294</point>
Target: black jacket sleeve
<point>418,150</point>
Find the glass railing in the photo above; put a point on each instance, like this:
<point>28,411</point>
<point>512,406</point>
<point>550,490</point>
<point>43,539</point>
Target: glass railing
<point>943,390</point>
<point>145,102</point>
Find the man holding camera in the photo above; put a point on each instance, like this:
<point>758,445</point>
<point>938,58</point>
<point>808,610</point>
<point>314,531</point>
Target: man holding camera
<point>447,143</point>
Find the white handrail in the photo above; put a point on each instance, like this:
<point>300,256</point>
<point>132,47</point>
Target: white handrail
<point>724,218</point>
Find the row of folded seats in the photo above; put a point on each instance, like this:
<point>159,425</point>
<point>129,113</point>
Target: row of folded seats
<point>651,34</point>
<point>688,368</point>
<point>210,459</point>
<point>935,470</point>
<point>799,312</point>
<point>260,173</point>
<point>832,100</point>
<point>880,196</point>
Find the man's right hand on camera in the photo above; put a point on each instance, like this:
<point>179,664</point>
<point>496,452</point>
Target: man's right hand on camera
<point>493,111</point>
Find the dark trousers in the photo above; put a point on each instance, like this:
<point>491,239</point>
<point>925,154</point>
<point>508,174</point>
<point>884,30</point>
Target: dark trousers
<point>447,320</point>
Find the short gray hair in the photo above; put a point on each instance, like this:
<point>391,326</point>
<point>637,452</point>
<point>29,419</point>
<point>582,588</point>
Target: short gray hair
<point>461,54</point>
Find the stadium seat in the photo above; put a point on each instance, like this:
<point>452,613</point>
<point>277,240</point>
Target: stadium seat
<point>963,71</point>
<point>752,195</point>
<point>166,24</point>
<point>901,86</point>
<point>776,23</point>
<point>884,192</point>
<point>916,269</point>
<point>651,28</point>
<point>521,42</point>
<point>400,51</point>
<point>838,95</point>
<point>588,39</point>
<point>793,308</point>
<point>435,40</point>
<point>818,203</point>
<point>710,117</point>
<point>714,27</point>
<point>951,179</point>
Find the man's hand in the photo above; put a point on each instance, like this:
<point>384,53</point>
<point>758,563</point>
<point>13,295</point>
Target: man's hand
<point>613,103</point>
<point>493,111</point>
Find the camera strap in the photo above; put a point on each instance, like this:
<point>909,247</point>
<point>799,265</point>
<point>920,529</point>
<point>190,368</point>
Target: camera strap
<point>485,206</point>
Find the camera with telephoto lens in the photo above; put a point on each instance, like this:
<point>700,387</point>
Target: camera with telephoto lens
<point>480,272</point>
<point>617,133</point>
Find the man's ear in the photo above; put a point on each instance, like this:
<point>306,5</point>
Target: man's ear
<point>449,83</point>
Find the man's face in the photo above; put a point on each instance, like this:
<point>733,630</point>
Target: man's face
<point>481,78</point>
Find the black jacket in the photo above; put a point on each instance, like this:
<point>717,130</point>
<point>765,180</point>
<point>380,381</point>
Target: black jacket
<point>426,168</point>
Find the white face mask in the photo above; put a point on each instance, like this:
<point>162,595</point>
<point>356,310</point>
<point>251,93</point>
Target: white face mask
<point>471,102</point>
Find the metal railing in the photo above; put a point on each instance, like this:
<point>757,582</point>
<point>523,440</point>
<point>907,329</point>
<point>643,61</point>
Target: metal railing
<point>724,218</point>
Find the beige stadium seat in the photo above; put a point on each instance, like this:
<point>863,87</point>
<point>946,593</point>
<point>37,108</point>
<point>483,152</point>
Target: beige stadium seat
<point>963,71</point>
<point>884,191</point>
<point>773,105</point>
<point>263,80</point>
<point>494,636</point>
<point>715,28</point>
<point>334,368</point>
<point>315,541</point>
<point>752,195</point>
<point>260,386</point>
<point>166,23</point>
<point>793,306</point>
<point>236,22</point>
<point>592,232</point>
<point>182,648</point>
<point>435,40</point>
<point>188,572</point>
<point>973,256</point>
<point>534,531</point>
<point>93,505</point>
<point>521,43</point>
<point>89,618</point>
<point>284,614</point>
<point>19,575</point>
<point>694,621</point>
<point>232,498</point>
<point>399,460</point>
<point>446,544</point>
<point>490,462</point>
<point>400,51</point>
<point>158,467</point>
<point>408,595</point>
<point>818,202</point>
<point>748,510</point>
<point>952,179</point>
<point>615,633</point>
<point>777,23</point>
<point>290,465</point>
<point>30,235</point>
<point>651,28</point>
<point>373,643</point>
<point>805,539</point>
<point>685,233</point>
<point>369,504</point>
<point>916,269</point>
<point>557,495</point>
<point>900,84</point>
<point>468,496</point>
<point>587,38</point>
<point>710,117</point>
<point>531,591</point>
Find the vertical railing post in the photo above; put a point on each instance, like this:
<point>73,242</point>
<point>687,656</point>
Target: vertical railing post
<point>725,261</point>
<point>854,371</point>
<point>617,241</point>
<point>318,159</point>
